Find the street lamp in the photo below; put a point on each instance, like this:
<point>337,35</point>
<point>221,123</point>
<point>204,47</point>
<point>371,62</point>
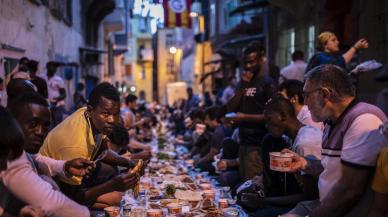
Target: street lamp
<point>172,50</point>
<point>194,14</point>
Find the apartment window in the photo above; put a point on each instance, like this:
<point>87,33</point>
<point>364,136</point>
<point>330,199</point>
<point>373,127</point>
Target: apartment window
<point>61,9</point>
<point>68,13</point>
<point>9,65</point>
<point>311,42</point>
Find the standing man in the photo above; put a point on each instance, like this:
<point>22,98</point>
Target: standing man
<point>56,92</point>
<point>40,83</point>
<point>191,102</point>
<point>350,145</point>
<point>295,70</point>
<point>254,91</point>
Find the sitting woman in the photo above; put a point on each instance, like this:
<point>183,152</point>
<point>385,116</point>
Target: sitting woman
<point>328,47</point>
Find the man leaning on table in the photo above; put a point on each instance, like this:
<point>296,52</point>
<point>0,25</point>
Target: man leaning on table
<point>350,145</point>
<point>83,134</point>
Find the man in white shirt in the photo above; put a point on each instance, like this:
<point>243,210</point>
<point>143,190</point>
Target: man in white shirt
<point>306,140</point>
<point>350,145</point>
<point>280,119</point>
<point>293,90</point>
<point>56,92</point>
<point>23,176</point>
<point>295,70</point>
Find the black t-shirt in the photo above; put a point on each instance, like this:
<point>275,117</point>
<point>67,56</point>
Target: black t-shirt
<point>256,94</point>
<point>277,183</point>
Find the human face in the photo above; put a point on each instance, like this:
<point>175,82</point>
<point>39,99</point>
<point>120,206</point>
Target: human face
<point>105,116</point>
<point>252,63</point>
<point>132,105</point>
<point>332,45</point>
<point>274,124</point>
<point>211,124</point>
<point>35,121</point>
<point>283,93</point>
<point>314,100</point>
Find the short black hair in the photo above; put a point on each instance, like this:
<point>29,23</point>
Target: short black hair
<point>213,113</point>
<point>17,87</point>
<point>11,137</point>
<point>52,64</point>
<point>33,66</point>
<point>255,47</point>
<point>293,87</point>
<point>130,98</point>
<point>119,136</point>
<point>17,106</point>
<point>280,105</point>
<point>1,80</point>
<point>297,55</point>
<point>80,86</point>
<point>197,113</point>
<point>105,90</point>
<point>332,77</point>
<point>23,60</point>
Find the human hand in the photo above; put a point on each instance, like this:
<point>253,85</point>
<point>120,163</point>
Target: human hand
<point>132,132</point>
<point>298,162</point>
<point>186,156</point>
<point>362,43</point>
<point>30,211</point>
<point>145,155</point>
<point>222,165</point>
<point>124,181</point>
<point>127,155</point>
<point>79,167</point>
<point>246,76</point>
<point>147,148</point>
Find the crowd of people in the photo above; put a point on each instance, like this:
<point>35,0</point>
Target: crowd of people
<point>50,166</point>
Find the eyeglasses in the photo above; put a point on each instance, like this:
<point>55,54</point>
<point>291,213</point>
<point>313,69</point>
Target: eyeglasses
<point>307,93</point>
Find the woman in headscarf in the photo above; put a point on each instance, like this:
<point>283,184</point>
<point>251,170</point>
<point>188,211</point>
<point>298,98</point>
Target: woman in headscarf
<point>328,47</point>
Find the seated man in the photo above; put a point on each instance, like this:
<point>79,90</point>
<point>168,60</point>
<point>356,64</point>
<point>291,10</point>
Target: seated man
<point>293,90</point>
<point>118,142</point>
<point>351,143</point>
<point>304,139</point>
<point>220,131</point>
<point>83,135</point>
<point>22,175</point>
<point>190,136</point>
<point>227,166</point>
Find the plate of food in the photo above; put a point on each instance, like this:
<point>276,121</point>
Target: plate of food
<point>188,195</point>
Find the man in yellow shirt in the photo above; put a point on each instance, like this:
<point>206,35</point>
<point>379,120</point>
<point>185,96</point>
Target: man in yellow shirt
<point>83,135</point>
<point>380,187</point>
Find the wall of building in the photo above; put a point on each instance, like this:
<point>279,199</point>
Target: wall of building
<point>34,29</point>
<point>42,36</point>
